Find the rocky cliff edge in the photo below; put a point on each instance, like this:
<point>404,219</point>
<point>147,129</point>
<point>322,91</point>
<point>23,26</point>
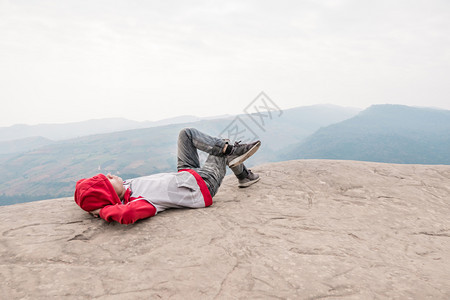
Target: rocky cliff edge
<point>310,229</point>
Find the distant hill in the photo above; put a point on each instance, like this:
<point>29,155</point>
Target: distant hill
<point>79,129</point>
<point>23,145</point>
<point>51,171</point>
<point>382,133</point>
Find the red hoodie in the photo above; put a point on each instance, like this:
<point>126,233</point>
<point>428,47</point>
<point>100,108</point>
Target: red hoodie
<point>97,192</point>
<point>148,195</point>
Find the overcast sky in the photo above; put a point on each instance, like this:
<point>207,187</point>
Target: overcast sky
<point>73,60</point>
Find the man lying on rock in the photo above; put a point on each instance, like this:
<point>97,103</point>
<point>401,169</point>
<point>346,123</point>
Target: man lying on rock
<point>193,186</point>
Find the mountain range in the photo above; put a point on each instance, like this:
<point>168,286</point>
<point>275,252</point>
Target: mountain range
<point>51,171</point>
<point>22,138</point>
<point>380,133</point>
<point>57,132</point>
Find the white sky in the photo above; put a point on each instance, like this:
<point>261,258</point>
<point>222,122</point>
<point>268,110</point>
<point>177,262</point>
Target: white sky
<point>73,60</point>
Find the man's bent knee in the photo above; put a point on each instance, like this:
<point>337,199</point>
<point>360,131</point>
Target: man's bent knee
<point>185,132</point>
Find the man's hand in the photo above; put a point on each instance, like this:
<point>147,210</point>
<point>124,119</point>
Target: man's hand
<point>95,213</point>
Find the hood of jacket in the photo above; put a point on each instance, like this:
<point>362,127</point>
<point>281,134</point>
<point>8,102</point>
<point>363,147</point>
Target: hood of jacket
<point>95,192</point>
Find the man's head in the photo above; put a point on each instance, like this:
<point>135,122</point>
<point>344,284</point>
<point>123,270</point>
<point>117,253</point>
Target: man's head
<point>99,191</point>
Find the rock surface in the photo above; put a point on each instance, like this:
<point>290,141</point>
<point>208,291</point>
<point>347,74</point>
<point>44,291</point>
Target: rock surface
<point>309,229</point>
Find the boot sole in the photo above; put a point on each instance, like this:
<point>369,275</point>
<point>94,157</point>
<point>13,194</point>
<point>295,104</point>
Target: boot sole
<point>244,185</point>
<point>240,159</point>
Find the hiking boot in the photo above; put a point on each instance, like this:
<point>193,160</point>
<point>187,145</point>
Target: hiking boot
<point>241,152</point>
<point>249,180</point>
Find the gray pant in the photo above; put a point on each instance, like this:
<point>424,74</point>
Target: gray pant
<point>214,169</point>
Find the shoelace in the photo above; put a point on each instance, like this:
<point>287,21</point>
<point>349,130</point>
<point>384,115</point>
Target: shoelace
<point>236,144</point>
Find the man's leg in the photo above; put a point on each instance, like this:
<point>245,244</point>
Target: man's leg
<point>239,170</point>
<point>189,140</point>
<point>245,176</point>
<point>213,172</point>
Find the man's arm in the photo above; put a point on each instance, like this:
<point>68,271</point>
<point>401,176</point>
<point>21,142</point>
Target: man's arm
<point>128,213</point>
